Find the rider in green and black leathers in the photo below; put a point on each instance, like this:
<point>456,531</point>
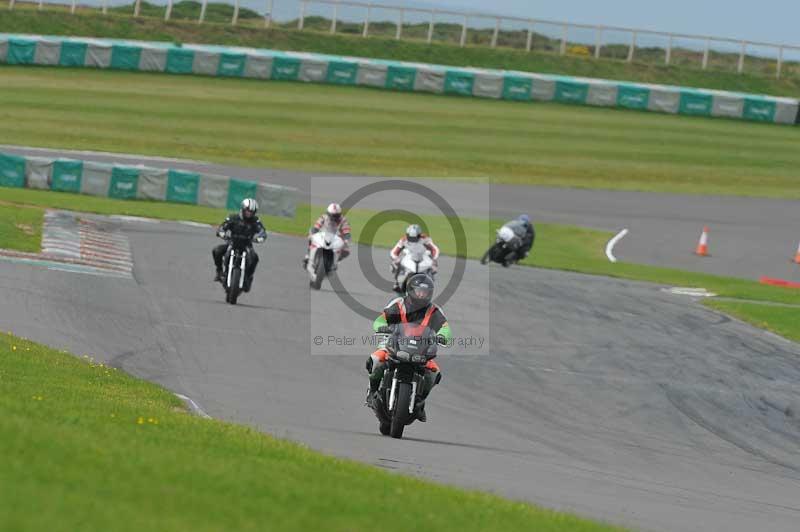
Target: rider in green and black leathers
<point>416,307</point>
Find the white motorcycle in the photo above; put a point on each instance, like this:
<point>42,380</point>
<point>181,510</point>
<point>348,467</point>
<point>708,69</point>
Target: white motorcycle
<point>323,257</point>
<point>415,258</point>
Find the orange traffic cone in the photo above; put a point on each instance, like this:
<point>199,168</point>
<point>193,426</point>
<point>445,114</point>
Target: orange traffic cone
<point>797,255</point>
<point>702,245</point>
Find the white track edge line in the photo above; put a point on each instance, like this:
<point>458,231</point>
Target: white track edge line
<point>194,407</point>
<point>613,242</point>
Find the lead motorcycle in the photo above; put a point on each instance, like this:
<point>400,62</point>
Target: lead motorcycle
<point>323,257</point>
<point>505,248</point>
<point>234,265</point>
<point>415,258</point>
<point>410,347</point>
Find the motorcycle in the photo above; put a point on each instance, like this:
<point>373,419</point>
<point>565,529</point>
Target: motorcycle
<point>504,250</point>
<point>397,401</point>
<point>234,265</point>
<point>416,258</point>
<point>323,257</point>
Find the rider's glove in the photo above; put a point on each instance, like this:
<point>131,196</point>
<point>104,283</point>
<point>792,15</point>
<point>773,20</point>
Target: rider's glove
<point>384,329</point>
<point>260,239</point>
<point>441,340</point>
<point>221,233</point>
<point>435,266</point>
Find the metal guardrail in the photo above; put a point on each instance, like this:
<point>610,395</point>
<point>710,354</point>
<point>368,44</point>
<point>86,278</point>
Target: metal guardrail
<point>531,24</point>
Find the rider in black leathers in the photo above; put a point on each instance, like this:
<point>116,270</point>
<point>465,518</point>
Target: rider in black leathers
<point>523,229</point>
<point>244,224</point>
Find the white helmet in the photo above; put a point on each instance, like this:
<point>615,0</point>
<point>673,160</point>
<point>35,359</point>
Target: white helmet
<point>413,232</point>
<point>505,233</point>
<point>249,208</point>
<point>335,212</point>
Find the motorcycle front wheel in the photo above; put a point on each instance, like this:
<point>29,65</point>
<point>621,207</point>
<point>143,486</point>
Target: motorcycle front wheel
<point>233,289</point>
<point>400,415</point>
<point>319,271</point>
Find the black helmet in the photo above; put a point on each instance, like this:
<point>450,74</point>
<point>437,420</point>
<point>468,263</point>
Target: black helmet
<point>419,291</point>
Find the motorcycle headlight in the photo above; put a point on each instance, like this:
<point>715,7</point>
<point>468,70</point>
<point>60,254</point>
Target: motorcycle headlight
<point>418,359</point>
<point>403,356</point>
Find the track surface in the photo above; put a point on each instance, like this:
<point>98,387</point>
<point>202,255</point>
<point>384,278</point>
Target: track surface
<point>749,237</point>
<point>605,397</point>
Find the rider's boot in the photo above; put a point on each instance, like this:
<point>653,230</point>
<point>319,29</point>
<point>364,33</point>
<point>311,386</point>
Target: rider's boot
<point>218,276</point>
<point>248,282</point>
<point>305,262</point>
<point>374,384</point>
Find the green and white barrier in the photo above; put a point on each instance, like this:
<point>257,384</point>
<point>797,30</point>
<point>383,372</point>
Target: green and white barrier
<point>395,75</point>
<point>143,183</point>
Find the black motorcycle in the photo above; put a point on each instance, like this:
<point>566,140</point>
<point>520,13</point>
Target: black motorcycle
<point>234,266</point>
<point>506,248</point>
<point>398,399</point>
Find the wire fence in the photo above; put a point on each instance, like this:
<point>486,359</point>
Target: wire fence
<point>464,29</point>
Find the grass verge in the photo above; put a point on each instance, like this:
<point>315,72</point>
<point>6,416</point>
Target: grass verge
<point>560,247</point>
<point>648,66</point>
<point>21,228</point>
<point>86,447</point>
<point>361,131</point>
<point>784,321</point>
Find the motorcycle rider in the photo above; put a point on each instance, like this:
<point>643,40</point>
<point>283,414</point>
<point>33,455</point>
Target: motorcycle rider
<point>523,229</point>
<point>243,224</point>
<point>413,234</point>
<point>333,215</point>
<point>415,308</point>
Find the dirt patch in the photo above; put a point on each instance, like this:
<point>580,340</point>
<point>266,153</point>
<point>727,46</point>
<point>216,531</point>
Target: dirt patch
<point>26,228</point>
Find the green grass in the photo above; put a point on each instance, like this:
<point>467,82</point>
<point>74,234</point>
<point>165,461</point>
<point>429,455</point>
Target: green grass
<point>86,447</point>
<point>647,68</point>
<point>784,321</point>
<point>364,131</point>
<point>20,227</point>
<point>560,247</point>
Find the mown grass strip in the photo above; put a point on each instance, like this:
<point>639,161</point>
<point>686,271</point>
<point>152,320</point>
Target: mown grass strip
<point>784,321</point>
<point>361,131</point>
<point>86,447</point>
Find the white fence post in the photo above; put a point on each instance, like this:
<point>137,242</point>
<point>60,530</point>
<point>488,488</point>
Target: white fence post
<point>235,17</point>
<point>705,54</point>
<point>268,17</point>
<point>202,16</point>
<point>496,31</point>
<point>598,43</point>
<point>335,16</point>
<point>668,56</point>
<point>564,32</point>
<point>302,18</point>
<point>168,12</point>
<point>399,32</point>
<point>10,5</point>
<point>105,7</point>
<point>632,48</point>
<point>740,67</point>
<point>41,4</point>
<point>780,63</point>
<point>73,6</point>
<point>366,21</point>
<point>430,27</point>
<point>529,42</point>
<point>463,40</point>
<point>137,8</point>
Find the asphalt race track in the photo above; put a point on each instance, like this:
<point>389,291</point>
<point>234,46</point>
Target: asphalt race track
<point>605,397</point>
<point>750,237</point>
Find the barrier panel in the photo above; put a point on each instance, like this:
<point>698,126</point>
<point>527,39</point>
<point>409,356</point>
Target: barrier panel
<point>394,75</point>
<point>126,182</point>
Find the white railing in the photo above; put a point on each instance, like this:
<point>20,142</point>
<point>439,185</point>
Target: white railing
<point>629,46</point>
